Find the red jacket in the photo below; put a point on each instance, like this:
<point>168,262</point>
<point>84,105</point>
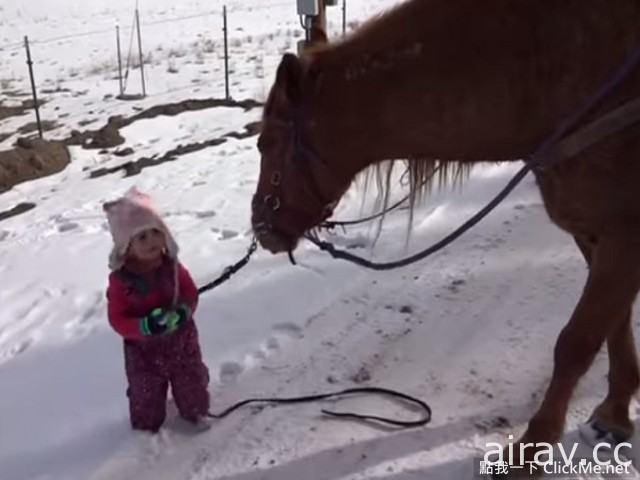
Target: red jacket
<point>131,296</point>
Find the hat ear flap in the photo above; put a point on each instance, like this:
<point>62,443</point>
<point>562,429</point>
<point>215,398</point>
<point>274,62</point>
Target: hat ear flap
<point>171,244</point>
<point>106,206</point>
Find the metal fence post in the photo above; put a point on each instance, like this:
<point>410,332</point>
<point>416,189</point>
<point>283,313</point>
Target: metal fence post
<point>119,60</point>
<point>33,85</point>
<point>226,52</point>
<point>144,90</point>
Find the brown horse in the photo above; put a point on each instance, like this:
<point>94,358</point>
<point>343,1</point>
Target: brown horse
<point>454,83</point>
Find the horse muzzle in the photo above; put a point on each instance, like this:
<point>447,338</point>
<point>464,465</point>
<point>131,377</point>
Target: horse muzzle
<point>273,240</point>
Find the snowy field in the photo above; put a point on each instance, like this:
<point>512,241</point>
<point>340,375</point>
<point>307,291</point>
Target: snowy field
<point>470,330</point>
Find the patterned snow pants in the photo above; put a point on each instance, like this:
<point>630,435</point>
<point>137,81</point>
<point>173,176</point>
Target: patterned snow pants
<point>155,363</point>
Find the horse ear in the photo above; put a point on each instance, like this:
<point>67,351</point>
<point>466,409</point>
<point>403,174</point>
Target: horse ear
<point>289,75</point>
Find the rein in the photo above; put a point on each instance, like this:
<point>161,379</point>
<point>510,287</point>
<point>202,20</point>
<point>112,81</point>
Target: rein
<point>550,152</point>
<point>231,269</point>
<point>331,224</point>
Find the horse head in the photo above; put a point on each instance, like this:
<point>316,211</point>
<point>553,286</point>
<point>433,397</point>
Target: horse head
<point>297,188</point>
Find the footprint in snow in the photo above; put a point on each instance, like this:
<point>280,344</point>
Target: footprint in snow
<point>229,371</point>
<point>17,349</point>
<point>80,326</point>
<point>289,329</point>
<point>273,344</point>
<point>228,234</point>
<point>225,234</point>
<point>67,227</point>
<point>257,356</point>
<point>205,214</point>
<point>157,446</point>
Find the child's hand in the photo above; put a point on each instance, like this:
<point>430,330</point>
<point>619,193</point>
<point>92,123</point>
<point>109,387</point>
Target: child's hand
<point>161,320</point>
<point>175,317</point>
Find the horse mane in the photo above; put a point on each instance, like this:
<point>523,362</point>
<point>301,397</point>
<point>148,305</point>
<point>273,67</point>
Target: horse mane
<point>422,174</point>
<point>423,177</point>
<point>542,60</point>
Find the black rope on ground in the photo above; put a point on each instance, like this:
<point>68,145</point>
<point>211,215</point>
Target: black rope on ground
<point>354,416</point>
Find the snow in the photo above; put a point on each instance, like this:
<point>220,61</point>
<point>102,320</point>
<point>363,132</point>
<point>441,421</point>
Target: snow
<point>470,330</point>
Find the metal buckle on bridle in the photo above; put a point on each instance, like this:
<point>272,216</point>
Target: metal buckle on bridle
<point>272,202</point>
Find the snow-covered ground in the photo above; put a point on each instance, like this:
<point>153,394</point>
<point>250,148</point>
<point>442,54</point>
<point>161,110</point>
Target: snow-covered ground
<point>469,330</point>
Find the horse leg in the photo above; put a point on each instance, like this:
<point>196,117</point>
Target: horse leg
<point>612,415</point>
<point>612,284</point>
<point>586,246</point>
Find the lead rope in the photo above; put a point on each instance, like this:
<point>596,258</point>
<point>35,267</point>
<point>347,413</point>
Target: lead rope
<point>426,417</point>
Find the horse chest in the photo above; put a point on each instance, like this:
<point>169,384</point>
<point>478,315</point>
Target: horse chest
<point>563,208</point>
<point>581,202</point>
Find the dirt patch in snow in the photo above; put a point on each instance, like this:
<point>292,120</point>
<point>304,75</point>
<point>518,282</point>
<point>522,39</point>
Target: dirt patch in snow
<point>31,159</point>
<point>135,167</point>
<point>6,112</point>
<point>47,125</point>
<point>109,135</point>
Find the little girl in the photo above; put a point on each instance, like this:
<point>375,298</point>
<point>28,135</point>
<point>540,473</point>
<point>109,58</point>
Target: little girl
<point>151,300</point>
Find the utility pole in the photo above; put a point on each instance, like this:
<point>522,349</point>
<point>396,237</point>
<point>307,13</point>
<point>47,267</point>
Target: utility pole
<point>318,25</point>
<point>314,21</point>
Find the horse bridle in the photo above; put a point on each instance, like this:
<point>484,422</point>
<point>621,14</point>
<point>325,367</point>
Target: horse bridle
<point>303,157</point>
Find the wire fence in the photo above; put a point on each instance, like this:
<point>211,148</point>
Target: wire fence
<point>66,57</point>
<point>19,45</point>
<point>187,53</point>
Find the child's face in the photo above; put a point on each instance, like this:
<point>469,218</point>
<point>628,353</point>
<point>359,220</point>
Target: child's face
<point>147,246</point>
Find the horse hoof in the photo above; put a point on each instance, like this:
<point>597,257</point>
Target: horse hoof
<point>594,432</point>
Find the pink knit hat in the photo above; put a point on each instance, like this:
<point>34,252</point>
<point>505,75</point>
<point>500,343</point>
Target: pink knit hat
<point>129,215</point>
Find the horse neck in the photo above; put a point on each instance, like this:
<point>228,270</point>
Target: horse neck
<point>464,80</point>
